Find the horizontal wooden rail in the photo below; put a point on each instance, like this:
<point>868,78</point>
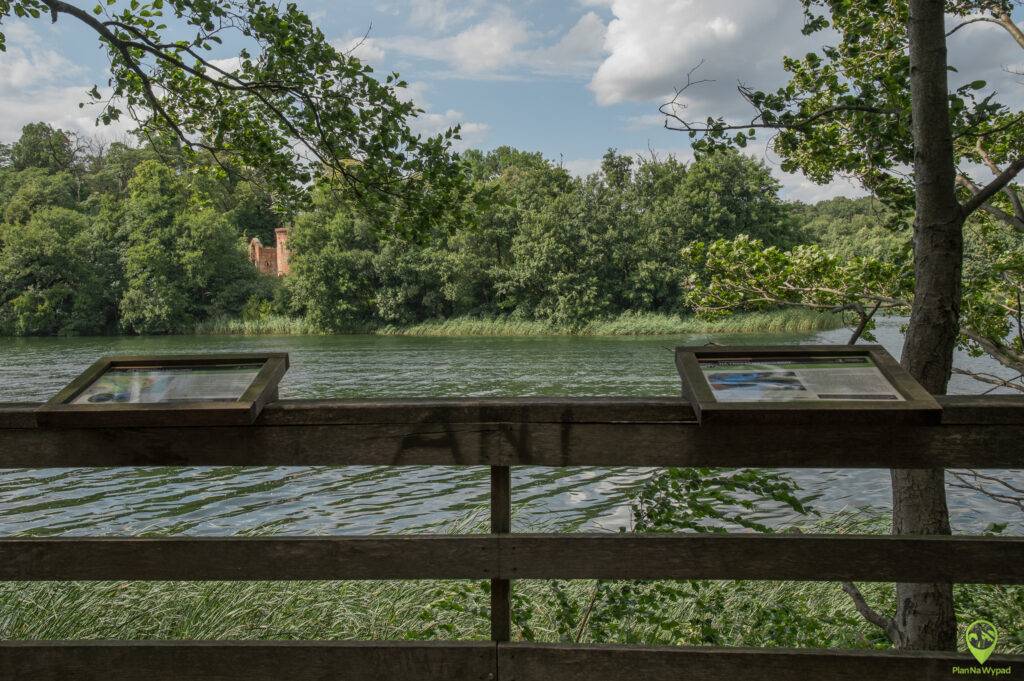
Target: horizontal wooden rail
<point>248,559</point>
<point>532,662</point>
<point>977,432</point>
<point>985,560</point>
<point>409,661</point>
<point>231,661</point>
<point>764,557</point>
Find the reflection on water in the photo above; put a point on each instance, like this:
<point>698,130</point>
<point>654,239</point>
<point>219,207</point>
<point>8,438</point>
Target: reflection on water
<point>364,499</point>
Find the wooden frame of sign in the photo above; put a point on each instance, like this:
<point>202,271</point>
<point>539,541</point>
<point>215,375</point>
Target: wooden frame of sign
<point>907,401</point>
<point>88,402</point>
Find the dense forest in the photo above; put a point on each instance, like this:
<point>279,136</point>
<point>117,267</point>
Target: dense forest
<point>126,238</point>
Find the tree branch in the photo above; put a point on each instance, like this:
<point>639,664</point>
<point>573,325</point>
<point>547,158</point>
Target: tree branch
<point>1013,497</point>
<point>865,319</point>
<point>131,39</point>
<point>1002,354</point>
<point>975,20</point>
<point>1006,21</point>
<point>990,379</point>
<point>1018,209</point>
<point>983,195</point>
<point>994,211</point>
<point>673,109</point>
<point>886,624</point>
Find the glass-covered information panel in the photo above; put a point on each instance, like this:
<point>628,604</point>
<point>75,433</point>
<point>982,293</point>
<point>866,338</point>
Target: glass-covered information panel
<point>146,385</point>
<point>795,378</point>
<point>781,384</point>
<point>168,390</point>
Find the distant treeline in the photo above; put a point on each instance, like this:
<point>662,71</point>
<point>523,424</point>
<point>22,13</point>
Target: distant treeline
<point>125,239</point>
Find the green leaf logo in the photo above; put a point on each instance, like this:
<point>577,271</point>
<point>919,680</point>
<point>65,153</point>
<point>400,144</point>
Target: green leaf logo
<point>981,639</point>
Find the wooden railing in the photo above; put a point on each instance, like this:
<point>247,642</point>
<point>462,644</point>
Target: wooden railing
<point>974,432</point>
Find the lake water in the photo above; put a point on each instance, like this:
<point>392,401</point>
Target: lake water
<point>356,500</point>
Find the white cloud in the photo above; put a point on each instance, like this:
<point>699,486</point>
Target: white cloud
<point>486,46</point>
<point>37,83</point>
<point>653,120</point>
<point>582,167</point>
<point>431,123</point>
<point>415,92</point>
<point>362,48</point>
<point>228,64</point>
<point>490,44</point>
<point>443,15</point>
<point>796,186</point>
<point>987,52</point>
<point>28,63</point>
<point>651,44</point>
<point>578,51</point>
<point>57,106</point>
<point>799,188</point>
<point>502,44</point>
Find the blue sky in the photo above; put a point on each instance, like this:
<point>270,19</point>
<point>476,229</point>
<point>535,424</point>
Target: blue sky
<point>569,78</point>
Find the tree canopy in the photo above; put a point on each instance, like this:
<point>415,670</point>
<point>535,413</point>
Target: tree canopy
<point>846,109</point>
<point>288,103</point>
<point>163,236</point>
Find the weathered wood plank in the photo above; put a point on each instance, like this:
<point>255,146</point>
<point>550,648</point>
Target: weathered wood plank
<point>246,661</point>
<point>319,445</point>
<point>458,661</point>
<point>293,558</point>
<point>981,409</point>
<point>995,560</point>
<point>539,662</point>
<point>958,409</point>
<point>975,433</point>
<point>538,444</point>
<point>768,445</point>
<point>441,409</point>
<point>799,557</point>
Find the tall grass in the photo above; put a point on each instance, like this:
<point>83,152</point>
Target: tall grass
<point>274,325</point>
<point>471,326</point>
<point>630,324</point>
<point>730,613</point>
<point>626,324</point>
<point>776,321</point>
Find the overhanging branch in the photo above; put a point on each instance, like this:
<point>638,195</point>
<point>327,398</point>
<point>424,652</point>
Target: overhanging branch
<point>984,194</point>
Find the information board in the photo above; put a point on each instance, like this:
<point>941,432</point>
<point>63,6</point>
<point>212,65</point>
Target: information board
<point>215,389</point>
<point>802,383</point>
<point>148,385</point>
<point>775,379</point>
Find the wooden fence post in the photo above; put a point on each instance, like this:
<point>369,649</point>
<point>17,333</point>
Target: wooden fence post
<point>501,523</point>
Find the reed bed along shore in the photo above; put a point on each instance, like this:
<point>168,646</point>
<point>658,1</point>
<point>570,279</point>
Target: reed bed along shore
<point>274,325</point>
<point>626,324</point>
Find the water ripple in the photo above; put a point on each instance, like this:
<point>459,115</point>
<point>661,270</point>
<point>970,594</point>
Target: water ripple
<point>367,499</point>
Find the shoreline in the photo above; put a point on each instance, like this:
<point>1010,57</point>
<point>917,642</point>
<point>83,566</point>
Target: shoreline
<point>626,324</point>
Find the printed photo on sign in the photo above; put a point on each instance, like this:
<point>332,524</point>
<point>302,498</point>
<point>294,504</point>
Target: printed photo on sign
<point>147,385</point>
<point>797,379</point>
<point>758,385</point>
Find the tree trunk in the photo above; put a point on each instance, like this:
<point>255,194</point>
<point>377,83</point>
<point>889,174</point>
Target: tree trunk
<point>925,619</point>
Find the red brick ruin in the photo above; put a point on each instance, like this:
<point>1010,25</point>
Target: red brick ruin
<point>272,260</point>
